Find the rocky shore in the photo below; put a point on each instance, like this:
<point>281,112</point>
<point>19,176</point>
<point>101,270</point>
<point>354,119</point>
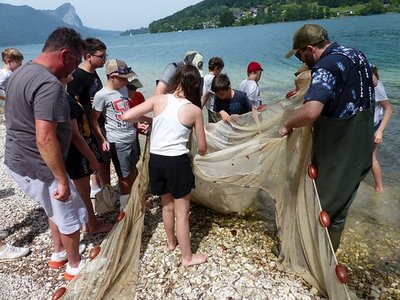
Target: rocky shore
<point>240,265</point>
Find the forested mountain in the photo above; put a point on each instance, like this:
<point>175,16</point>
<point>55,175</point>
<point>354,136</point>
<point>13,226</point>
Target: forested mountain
<point>26,25</point>
<point>222,13</point>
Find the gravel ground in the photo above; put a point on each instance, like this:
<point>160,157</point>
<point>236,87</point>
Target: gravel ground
<point>240,265</point>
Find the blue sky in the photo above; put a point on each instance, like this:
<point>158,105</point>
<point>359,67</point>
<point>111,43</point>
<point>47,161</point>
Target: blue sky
<point>114,15</point>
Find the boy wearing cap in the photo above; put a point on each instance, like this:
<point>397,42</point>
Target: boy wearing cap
<point>193,58</point>
<point>228,101</point>
<point>136,98</point>
<point>250,85</point>
<point>339,106</point>
<point>112,101</point>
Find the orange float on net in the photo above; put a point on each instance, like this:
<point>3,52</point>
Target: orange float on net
<point>324,219</point>
<point>291,93</point>
<point>94,252</point>
<point>341,273</point>
<point>121,216</point>
<point>59,293</point>
<point>312,172</point>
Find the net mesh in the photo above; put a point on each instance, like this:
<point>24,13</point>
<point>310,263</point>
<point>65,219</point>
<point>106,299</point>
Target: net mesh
<point>245,156</point>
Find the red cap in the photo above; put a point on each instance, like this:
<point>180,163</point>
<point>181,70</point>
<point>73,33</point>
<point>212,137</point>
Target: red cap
<point>254,67</point>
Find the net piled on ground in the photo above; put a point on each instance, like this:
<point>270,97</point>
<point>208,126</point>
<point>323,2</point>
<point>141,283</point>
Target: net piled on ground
<point>245,156</point>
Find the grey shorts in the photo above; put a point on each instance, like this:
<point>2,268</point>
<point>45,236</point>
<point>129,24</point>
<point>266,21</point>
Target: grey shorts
<point>69,216</point>
<point>124,157</point>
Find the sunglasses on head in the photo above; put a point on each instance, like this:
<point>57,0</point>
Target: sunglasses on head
<point>123,71</point>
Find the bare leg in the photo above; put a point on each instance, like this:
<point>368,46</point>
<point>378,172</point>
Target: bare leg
<point>93,226</point>
<point>55,233</point>
<point>182,207</point>
<point>167,202</point>
<point>125,184</point>
<point>103,173</point>
<point>376,170</point>
<point>69,242</point>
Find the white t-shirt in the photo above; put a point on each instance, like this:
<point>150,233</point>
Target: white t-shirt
<point>4,76</point>
<point>380,95</point>
<point>113,104</point>
<point>252,90</point>
<point>208,78</point>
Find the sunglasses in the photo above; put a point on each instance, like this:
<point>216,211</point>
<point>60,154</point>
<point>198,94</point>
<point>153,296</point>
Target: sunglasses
<point>298,53</point>
<point>123,71</point>
<point>101,57</point>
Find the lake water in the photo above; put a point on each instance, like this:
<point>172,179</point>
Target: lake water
<point>377,36</point>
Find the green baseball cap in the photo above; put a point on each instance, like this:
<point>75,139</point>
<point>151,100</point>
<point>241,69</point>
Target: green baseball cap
<point>308,34</point>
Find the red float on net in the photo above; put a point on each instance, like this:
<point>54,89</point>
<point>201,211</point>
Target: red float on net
<point>312,172</point>
<point>121,216</point>
<point>59,293</point>
<point>341,273</point>
<point>324,219</point>
<point>291,93</point>
<point>94,252</point>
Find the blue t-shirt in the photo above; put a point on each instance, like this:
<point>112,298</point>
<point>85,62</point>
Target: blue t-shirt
<point>239,104</point>
<point>342,81</point>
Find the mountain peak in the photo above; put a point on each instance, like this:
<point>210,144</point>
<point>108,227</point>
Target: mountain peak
<point>67,13</point>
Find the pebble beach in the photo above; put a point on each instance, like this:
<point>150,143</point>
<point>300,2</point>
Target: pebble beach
<point>240,264</point>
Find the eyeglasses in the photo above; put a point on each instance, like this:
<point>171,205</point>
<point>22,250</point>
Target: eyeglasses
<point>298,53</point>
<point>102,57</point>
<point>123,71</point>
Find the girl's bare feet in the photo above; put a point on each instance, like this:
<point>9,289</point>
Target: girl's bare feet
<point>196,259</point>
<point>172,245</point>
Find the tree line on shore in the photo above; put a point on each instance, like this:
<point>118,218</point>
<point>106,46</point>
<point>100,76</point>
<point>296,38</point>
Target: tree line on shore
<point>224,13</point>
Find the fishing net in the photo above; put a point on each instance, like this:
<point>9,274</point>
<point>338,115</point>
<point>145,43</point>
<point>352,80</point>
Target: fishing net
<point>247,161</point>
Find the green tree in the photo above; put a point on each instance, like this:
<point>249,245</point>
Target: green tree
<point>373,7</point>
<point>226,18</point>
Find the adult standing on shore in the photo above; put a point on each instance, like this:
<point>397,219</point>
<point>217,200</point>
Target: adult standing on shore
<point>163,85</point>
<point>38,135</point>
<point>339,106</point>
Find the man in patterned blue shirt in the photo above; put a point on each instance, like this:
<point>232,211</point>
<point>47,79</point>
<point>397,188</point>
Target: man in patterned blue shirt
<point>339,105</point>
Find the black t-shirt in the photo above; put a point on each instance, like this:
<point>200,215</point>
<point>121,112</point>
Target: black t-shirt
<point>84,85</point>
<point>77,112</point>
<point>238,104</point>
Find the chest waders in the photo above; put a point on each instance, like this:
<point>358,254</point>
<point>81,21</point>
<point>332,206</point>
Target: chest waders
<point>342,153</point>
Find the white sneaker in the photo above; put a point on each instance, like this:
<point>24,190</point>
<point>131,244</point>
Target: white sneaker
<point>3,234</point>
<point>59,259</point>
<point>8,252</point>
<point>71,272</point>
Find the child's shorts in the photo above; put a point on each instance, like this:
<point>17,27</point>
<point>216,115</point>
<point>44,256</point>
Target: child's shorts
<point>171,174</point>
<point>76,164</point>
<point>124,158</point>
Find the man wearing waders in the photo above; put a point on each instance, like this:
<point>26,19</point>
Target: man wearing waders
<point>339,104</point>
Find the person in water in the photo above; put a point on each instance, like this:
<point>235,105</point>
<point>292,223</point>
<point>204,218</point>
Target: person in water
<point>339,105</point>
